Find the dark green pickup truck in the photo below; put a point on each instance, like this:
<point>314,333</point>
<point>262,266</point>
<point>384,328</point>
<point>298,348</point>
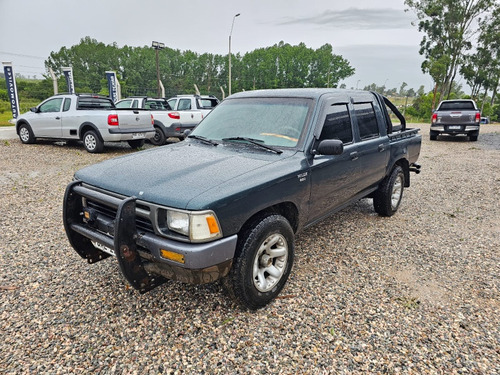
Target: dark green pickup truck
<point>228,201</point>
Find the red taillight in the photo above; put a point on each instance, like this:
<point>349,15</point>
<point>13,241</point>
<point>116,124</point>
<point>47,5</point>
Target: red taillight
<point>478,117</point>
<point>152,120</point>
<point>434,118</point>
<point>174,115</point>
<point>113,120</point>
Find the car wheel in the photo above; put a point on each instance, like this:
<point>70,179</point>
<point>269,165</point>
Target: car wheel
<point>264,261</point>
<point>92,142</point>
<point>473,137</point>
<point>159,137</point>
<point>136,143</point>
<point>26,134</point>
<point>433,136</point>
<point>387,198</point>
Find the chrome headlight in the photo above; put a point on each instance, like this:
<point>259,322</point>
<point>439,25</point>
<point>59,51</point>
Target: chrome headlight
<point>197,226</point>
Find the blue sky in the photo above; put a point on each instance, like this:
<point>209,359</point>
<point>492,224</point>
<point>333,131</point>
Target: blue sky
<point>377,38</point>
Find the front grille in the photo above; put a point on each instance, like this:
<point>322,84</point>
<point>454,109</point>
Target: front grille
<point>142,224</point>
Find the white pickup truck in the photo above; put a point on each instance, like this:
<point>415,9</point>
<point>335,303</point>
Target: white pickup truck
<point>91,119</point>
<point>203,103</point>
<point>167,122</point>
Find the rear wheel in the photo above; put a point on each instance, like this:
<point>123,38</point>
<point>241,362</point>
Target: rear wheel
<point>473,137</point>
<point>264,262</point>
<point>387,198</point>
<point>159,137</point>
<point>136,143</point>
<point>433,136</point>
<point>26,134</point>
<point>92,142</point>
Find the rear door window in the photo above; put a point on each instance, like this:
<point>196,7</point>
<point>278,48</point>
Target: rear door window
<point>67,104</point>
<point>367,120</point>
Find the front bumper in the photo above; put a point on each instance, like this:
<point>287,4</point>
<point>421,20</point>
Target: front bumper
<point>138,250</point>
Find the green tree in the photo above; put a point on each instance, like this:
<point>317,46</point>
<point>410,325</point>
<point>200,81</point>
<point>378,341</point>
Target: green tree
<point>449,27</point>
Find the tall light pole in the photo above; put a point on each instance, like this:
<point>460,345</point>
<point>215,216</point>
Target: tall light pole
<point>231,33</point>
<point>158,46</point>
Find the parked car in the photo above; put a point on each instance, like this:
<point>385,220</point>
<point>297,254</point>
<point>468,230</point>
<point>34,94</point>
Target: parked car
<point>203,103</point>
<point>228,201</point>
<point>454,117</point>
<point>91,119</point>
<point>167,122</point>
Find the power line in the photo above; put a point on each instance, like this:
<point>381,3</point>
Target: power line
<point>17,54</point>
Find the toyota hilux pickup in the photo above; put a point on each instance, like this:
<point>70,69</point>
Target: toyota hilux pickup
<point>167,122</point>
<point>260,168</point>
<point>91,119</point>
<point>453,117</point>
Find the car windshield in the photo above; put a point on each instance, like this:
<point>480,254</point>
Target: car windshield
<point>272,121</point>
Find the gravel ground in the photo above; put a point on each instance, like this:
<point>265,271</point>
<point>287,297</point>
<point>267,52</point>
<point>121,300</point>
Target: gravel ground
<point>415,293</point>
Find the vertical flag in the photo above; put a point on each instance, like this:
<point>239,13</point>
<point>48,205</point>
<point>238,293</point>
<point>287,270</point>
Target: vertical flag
<point>10,80</point>
<point>113,86</point>
<point>68,74</point>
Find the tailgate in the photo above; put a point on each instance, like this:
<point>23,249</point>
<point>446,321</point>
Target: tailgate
<point>134,119</point>
<point>457,117</point>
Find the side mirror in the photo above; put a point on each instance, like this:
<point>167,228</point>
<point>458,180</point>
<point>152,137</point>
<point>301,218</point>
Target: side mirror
<point>187,132</point>
<point>33,109</point>
<point>329,147</point>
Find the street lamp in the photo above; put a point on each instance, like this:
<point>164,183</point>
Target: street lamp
<point>231,33</point>
<point>158,46</point>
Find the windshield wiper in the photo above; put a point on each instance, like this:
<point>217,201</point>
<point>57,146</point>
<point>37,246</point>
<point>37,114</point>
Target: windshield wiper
<point>257,142</point>
<point>203,139</point>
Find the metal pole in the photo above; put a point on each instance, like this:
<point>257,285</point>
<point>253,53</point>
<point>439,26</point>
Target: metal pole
<point>232,25</point>
<point>230,60</point>
<point>158,72</point>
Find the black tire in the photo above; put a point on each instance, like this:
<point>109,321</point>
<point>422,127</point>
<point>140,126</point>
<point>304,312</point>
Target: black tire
<point>387,198</point>
<point>159,137</point>
<point>433,136</point>
<point>473,137</point>
<point>26,134</point>
<point>264,248</point>
<point>136,143</point>
<point>92,142</point>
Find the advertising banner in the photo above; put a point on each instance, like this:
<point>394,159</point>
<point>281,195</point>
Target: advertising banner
<point>68,74</point>
<point>113,86</point>
<point>10,80</point>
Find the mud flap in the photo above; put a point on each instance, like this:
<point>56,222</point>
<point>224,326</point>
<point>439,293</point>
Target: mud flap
<point>72,211</point>
<point>126,249</point>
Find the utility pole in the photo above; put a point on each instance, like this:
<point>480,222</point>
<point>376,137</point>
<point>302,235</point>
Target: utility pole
<point>158,46</point>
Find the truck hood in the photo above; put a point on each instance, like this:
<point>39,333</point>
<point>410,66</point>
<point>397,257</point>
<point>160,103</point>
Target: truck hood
<point>173,175</point>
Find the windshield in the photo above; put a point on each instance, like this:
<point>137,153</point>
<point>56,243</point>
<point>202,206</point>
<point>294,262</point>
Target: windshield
<point>273,121</point>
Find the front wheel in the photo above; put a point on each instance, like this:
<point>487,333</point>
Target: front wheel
<point>387,198</point>
<point>92,142</point>
<point>263,264</point>
<point>26,134</point>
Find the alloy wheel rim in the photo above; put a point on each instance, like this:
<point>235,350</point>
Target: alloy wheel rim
<point>25,135</point>
<point>270,262</point>
<point>397,191</point>
<point>90,142</point>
